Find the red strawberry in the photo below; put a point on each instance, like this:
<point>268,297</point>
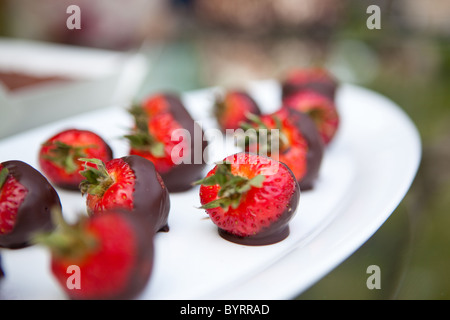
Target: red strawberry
<point>152,140</point>
<point>231,110</point>
<point>166,134</point>
<point>314,78</point>
<point>297,143</point>
<point>26,198</point>
<point>156,104</point>
<point>250,198</point>
<point>130,183</point>
<point>320,108</point>
<point>113,252</point>
<point>58,156</point>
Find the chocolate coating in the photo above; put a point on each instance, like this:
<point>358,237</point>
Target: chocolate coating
<point>245,99</point>
<point>249,99</point>
<point>151,196</point>
<point>327,88</point>
<point>143,267</point>
<point>34,214</point>
<point>275,232</point>
<point>181,176</point>
<point>2,273</point>
<point>143,263</point>
<point>315,147</point>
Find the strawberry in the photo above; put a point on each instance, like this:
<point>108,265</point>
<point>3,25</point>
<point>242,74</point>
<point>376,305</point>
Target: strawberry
<point>26,198</point>
<point>58,156</point>
<point>130,183</point>
<point>314,78</point>
<point>152,140</point>
<point>297,143</point>
<point>231,109</point>
<point>166,134</point>
<point>156,104</point>
<point>320,108</point>
<point>113,254</point>
<point>250,198</point>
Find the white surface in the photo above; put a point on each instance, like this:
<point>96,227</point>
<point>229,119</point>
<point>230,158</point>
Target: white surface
<point>365,174</point>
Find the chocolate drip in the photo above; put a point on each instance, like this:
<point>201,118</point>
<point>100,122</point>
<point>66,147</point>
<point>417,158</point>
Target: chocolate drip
<point>34,213</point>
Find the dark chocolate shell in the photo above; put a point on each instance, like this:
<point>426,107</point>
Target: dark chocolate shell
<point>34,213</point>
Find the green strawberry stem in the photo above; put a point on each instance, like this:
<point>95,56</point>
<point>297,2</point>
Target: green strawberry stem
<point>141,138</point>
<point>65,155</point>
<point>255,123</point>
<point>97,179</point>
<point>67,241</point>
<point>232,187</point>
<point>3,176</point>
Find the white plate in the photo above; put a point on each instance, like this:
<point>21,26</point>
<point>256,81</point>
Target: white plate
<point>365,174</point>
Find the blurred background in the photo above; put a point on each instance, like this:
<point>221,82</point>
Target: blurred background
<point>199,43</point>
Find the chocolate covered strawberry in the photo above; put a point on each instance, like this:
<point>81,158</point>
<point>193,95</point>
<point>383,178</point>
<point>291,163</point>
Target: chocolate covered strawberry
<point>130,183</point>
<point>291,137</point>
<point>321,110</point>
<point>166,134</point>
<point>250,198</point>
<point>58,156</point>
<point>26,198</point>
<point>108,256</point>
<point>231,109</point>
<point>316,79</point>
<point>152,139</point>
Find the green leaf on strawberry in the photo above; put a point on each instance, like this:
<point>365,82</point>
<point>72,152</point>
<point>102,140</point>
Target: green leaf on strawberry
<point>253,200</point>
<point>69,240</point>
<point>97,179</point>
<point>273,135</point>
<point>141,138</point>
<point>3,176</point>
<point>232,187</point>
<point>65,155</point>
